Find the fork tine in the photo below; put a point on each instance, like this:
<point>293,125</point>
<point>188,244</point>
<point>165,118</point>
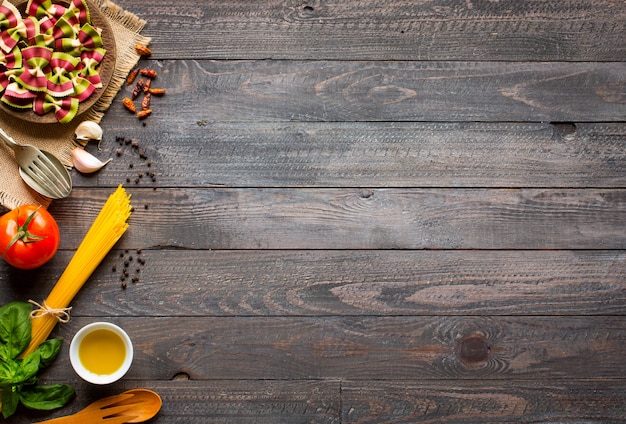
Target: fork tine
<point>44,164</point>
<point>114,410</point>
<point>102,403</point>
<point>43,180</point>
<point>45,161</point>
<point>119,419</point>
<point>113,415</point>
<point>53,183</point>
<point>86,418</point>
<point>38,167</point>
<point>42,183</point>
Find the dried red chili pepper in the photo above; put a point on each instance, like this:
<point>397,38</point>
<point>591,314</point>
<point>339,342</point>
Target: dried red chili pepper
<point>150,73</point>
<point>145,103</point>
<point>142,50</point>
<point>132,76</point>
<point>128,104</point>
<point>144,113</point>
<point>138,89</point>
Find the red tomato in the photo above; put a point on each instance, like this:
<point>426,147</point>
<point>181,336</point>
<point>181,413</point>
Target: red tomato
<point>29,236</point>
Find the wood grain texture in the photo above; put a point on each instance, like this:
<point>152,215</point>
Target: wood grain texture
<point>360,218</point>
<point>474,402</point>
<point>314,401</point>
<point>364,212</point>
<point>245,401</point>
<point>339,283</point>
<point>344,154</point>
<point>377,91</point>
<point>579,30</point>
<point>372,348</point>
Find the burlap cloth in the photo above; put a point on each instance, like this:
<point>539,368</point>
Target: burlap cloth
<point>58,138</point>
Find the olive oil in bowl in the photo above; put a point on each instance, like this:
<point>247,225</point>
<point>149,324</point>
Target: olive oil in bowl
<point>101,353</point>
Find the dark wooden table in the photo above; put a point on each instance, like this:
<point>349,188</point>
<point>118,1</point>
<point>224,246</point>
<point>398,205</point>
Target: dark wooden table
<point>365,212</point>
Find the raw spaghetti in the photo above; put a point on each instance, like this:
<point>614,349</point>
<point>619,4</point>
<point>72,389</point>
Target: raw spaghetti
<point>106,230</point>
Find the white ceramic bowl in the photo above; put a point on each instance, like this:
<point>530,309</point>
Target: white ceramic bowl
<point>90,376</point>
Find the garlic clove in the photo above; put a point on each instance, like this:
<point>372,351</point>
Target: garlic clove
<point>85,162</point>
<point>88,130</point>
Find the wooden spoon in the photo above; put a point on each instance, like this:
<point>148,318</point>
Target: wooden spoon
<point>132,406</point>
<point>145,404</point>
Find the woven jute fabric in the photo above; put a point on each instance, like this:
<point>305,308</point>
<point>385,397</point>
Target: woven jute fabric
<point>58,139</point>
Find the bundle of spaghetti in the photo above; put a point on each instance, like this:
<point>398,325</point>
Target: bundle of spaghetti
<point>110,224</point>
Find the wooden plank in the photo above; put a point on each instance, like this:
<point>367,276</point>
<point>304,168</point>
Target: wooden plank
<point>317,401</point>
<point>193,402</point>
<point>327,283</point>
<point>578,30</point>
<point>199,218</point>
<point>477,402</point>
<point>323,91</point>
<point>369,348</point>
<point>338,154</point>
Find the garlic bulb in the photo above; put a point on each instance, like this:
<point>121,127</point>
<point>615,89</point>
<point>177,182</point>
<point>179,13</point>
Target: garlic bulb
<point>86,162</point>
<point>88,130</point>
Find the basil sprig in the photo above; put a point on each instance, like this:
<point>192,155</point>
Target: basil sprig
<point>18,376</point>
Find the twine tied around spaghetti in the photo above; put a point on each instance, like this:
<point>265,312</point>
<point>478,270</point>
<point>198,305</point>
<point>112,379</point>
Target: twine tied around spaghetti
<point>61,314</point>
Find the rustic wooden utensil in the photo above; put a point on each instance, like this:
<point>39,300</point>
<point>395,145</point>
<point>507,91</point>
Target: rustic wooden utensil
<point>132,406</point>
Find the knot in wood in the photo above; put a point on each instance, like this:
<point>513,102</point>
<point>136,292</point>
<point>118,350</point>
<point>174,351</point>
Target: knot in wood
<point>565,130</point>
<point>366,193</point>
<point>473,349</point>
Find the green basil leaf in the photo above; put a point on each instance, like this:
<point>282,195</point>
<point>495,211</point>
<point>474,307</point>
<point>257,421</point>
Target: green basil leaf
<point>29,367</point>
<point>4,350</point>
<point>8,372</point>
<point>15,328</point>
<point>46,398</point>
<point>10,400</point>
<point>18,376</point>
<point>48,351</point>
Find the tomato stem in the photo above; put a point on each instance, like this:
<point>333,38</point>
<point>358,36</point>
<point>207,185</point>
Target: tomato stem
<point>22,231</point>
